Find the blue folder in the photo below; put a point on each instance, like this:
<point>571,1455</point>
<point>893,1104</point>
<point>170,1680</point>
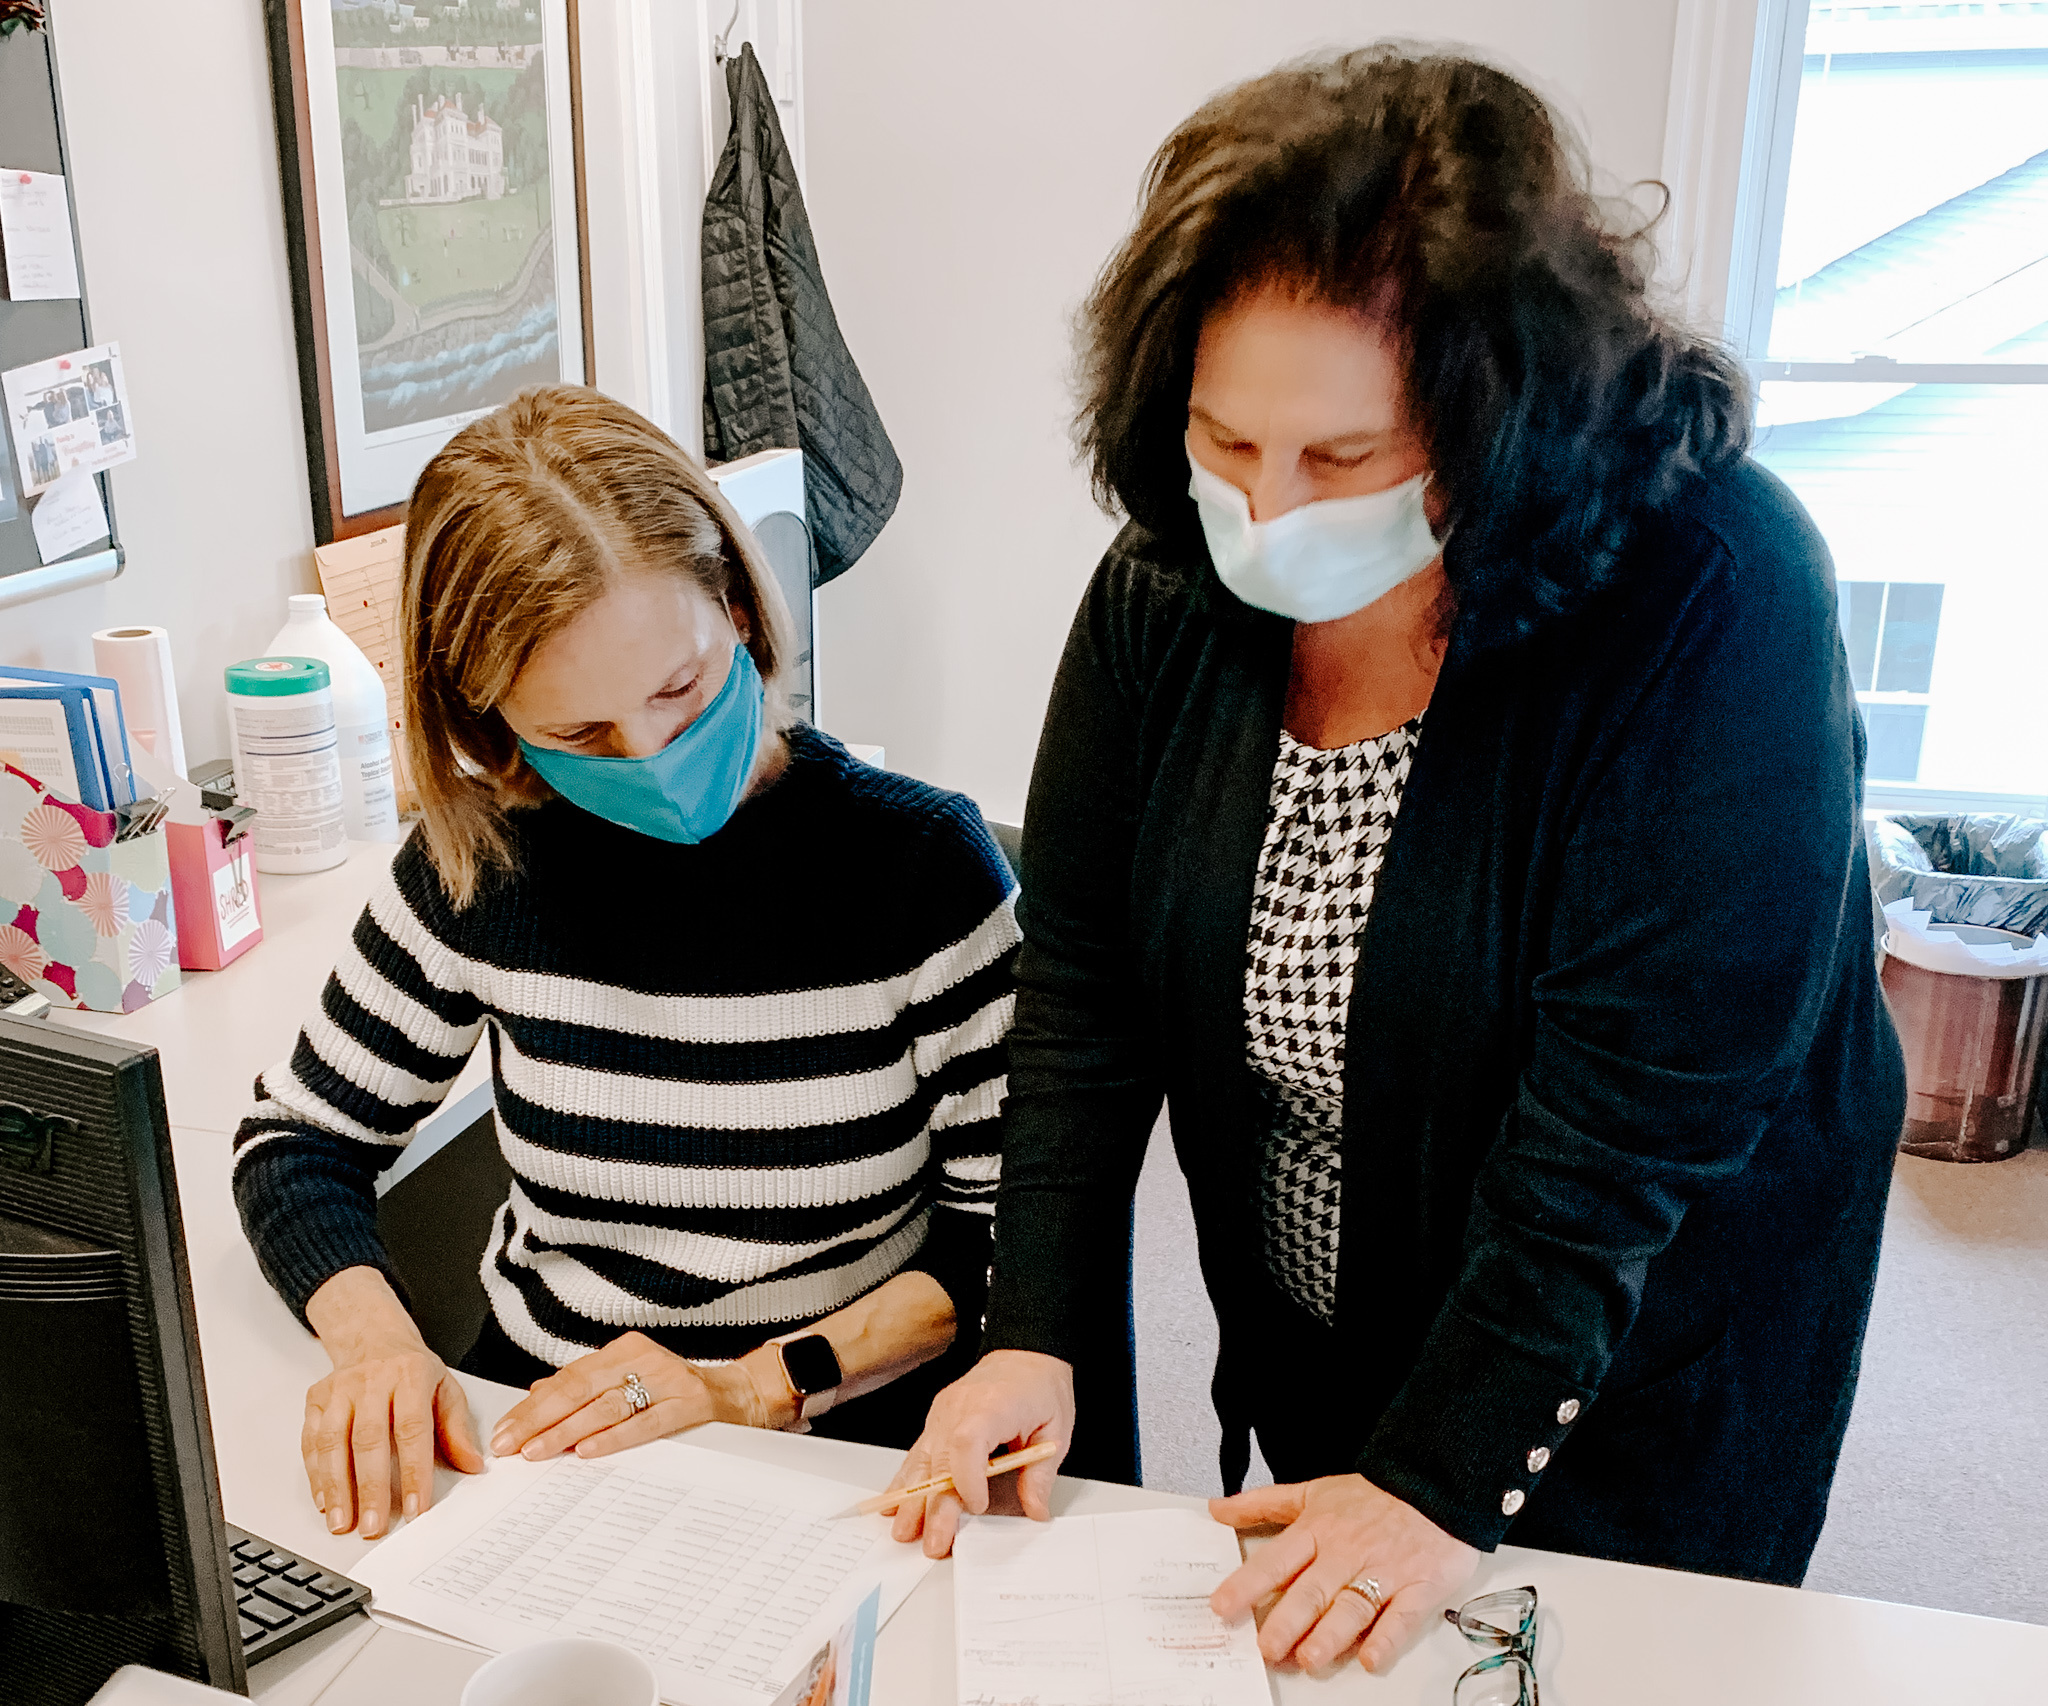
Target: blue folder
<point>110,722</point>
<point>83,727</point>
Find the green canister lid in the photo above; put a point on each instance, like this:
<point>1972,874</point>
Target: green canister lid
<point>273,678</point>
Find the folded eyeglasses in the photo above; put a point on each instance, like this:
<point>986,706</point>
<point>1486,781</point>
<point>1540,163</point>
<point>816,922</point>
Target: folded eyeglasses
<point>1506,1624</point>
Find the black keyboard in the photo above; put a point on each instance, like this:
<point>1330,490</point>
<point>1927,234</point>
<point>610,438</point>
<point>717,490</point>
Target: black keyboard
<point>283,1599</point>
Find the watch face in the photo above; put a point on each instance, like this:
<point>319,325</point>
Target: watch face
<point>811,1363</point>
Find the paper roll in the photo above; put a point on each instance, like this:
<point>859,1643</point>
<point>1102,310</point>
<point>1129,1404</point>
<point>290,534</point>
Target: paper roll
<point>140,660</point>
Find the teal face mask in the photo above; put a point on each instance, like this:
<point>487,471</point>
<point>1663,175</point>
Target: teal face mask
<point>689,789</point>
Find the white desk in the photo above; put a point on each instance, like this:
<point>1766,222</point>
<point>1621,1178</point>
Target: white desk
<point>1610,1633</point>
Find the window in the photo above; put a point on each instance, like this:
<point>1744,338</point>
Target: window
<point>1890,628</point>
<point>1895,313</point>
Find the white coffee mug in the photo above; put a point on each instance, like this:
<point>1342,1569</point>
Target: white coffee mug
<point>575,1671</point>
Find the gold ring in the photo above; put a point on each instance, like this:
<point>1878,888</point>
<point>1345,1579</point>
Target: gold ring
<point>1370,1591</point>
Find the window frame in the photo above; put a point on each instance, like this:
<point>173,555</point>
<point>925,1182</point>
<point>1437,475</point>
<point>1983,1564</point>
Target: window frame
<point>1731,195</point>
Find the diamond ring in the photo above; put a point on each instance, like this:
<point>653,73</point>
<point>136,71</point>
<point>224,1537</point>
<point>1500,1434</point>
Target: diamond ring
<point>1368,1590</point>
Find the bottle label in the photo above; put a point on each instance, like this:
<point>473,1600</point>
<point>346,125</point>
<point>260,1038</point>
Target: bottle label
<point>288,766</point>
<point>371,790</point>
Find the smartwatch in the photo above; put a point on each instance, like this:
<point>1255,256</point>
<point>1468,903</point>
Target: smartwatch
<point>810,1368</point>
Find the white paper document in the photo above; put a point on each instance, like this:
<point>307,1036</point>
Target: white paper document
<point>36,249</point>
<point>69,516</point>
<point>1100,1611</point>
<point>35,736</point>
<point>727,1574</point>
<point>68,412</point>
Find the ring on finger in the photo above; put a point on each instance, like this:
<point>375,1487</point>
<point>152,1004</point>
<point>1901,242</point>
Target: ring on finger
<point>1370,1591</point>
<point>637,1395</point>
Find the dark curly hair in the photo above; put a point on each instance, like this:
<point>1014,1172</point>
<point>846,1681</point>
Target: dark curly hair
<point>1446,198</point>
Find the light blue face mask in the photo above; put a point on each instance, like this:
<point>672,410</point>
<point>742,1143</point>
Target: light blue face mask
<point>1320,561</point>
<point>686,792</point>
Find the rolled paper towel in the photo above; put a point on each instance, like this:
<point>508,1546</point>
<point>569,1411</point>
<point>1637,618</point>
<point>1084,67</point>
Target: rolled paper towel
<point>140,660</point>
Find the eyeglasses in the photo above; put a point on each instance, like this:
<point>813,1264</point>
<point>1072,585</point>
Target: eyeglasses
<point>1506,1623</point>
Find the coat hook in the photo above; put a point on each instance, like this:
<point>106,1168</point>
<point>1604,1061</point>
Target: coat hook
<point>718,49</point>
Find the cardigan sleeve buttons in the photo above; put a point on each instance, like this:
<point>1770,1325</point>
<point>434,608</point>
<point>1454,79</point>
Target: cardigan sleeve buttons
<point>1567,1412</point>
<point>1539,1459</point>
<point>1512,1501</point>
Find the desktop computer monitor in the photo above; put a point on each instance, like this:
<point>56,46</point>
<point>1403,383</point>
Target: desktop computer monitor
<point>113,1549</point>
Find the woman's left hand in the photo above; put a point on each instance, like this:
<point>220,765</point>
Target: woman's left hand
<point>1338,1529</point>
<point>583,1407</point>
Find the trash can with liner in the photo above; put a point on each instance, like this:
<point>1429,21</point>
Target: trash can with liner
<point>1971,1006</point>
<point>1965,987</point>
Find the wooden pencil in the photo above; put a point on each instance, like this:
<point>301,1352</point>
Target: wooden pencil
<point>884,1502</point>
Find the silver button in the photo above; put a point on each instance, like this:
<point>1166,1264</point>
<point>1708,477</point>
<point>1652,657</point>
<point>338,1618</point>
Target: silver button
<point>1539,1460</point>
<point>1568,1412</point>
<point>1512,1500</point>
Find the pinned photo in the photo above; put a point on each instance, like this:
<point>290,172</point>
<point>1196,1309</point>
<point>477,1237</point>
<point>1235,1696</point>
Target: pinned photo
<point>68,413</point>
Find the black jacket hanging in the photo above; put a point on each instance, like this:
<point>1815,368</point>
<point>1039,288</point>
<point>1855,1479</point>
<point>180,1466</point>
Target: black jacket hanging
<point>776,371</point>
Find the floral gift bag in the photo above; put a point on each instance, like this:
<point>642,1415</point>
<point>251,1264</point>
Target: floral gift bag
<point>84,918</point>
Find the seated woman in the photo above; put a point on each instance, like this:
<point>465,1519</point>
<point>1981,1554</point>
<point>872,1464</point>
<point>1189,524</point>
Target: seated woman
<point>748,997</point>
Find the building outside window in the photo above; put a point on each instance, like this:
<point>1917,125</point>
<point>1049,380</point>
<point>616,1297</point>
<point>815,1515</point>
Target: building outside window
<point>1896,317</point>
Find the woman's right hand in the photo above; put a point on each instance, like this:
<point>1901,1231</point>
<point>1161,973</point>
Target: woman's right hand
<point>1008,1399</point>
<point>388,1395</point>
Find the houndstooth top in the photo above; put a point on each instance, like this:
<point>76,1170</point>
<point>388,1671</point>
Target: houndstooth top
<point>1327,825</point>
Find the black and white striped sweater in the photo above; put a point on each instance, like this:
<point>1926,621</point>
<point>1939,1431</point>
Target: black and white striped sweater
<point>739,1084</point>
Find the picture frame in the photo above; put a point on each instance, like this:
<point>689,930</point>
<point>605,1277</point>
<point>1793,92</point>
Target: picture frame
<point>436,228</point>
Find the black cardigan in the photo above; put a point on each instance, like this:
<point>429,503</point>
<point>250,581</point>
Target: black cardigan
<point>1621,1095</point>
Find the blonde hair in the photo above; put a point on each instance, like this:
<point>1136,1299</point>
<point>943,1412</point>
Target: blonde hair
<point>524,520</point>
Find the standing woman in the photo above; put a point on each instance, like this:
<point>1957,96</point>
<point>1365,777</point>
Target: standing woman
<point>1449,804</point>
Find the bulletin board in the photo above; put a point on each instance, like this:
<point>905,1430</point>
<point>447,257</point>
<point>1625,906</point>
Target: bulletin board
<point>32,139</point>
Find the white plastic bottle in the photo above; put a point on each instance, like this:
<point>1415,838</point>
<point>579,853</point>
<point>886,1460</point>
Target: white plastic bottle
<point>281,714</point>
<point>362,716</point>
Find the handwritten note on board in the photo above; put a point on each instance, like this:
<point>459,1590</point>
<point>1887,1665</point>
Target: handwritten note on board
<point>1100,1611</point>
<point>36,248</point>
<point>69,516</point>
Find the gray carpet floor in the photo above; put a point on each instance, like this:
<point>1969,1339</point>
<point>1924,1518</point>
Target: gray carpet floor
<point>1942,1494</point>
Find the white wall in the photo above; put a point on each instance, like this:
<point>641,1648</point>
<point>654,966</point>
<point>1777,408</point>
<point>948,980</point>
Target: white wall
<point>970,167</point>
<point>174,181</point>
<point>174,176</point>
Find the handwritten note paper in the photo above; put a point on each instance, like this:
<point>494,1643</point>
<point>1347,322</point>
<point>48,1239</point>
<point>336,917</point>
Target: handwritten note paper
<point>727,1575</point>
<point>69,516</point>
<point>40,258</point>
<point>1100,1611</point>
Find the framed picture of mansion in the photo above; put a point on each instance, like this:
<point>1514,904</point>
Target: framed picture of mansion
<point>432,159</point>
